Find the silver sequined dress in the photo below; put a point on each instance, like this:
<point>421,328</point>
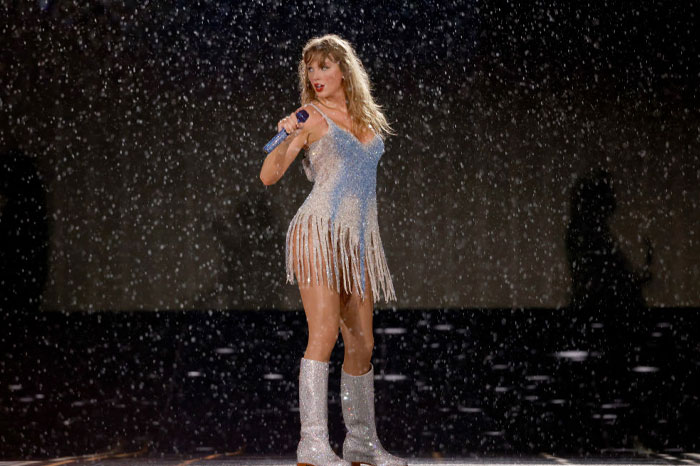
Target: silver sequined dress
<point>337,224</point>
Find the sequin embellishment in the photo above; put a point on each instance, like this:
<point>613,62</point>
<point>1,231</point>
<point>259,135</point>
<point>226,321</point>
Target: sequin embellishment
<point>337,224</point>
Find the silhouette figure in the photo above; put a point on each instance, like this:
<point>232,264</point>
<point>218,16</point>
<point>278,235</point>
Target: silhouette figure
<point>606,289</point>
<point>23,235</point>
<point>605,286</point>
<point>250,247</point>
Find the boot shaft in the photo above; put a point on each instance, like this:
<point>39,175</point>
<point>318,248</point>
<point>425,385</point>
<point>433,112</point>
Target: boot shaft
<point>314,447</point>
<point>313,391</point>
<point>357,393</point>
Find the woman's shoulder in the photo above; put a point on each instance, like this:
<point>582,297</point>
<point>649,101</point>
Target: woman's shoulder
<point>315,125</point>
<point>313,112</point>
<point>316,121</point>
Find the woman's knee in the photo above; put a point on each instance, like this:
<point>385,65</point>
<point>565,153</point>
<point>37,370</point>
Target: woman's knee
<point>322,309</point>
<point>323,335</point>
<point>320,346</point>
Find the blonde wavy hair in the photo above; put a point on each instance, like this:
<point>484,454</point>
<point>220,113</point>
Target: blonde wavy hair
<point>364,111</point>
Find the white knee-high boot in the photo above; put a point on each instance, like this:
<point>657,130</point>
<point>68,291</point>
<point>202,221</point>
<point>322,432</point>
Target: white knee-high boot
<point>361,443</point>
<point>314,448</point>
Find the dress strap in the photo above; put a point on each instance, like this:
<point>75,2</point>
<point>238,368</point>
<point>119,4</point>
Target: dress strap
<point>328,120</point>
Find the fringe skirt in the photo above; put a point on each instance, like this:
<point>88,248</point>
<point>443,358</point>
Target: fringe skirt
<point>328,252</point>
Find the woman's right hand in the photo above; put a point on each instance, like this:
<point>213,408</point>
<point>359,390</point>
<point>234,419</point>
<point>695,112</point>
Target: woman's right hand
<point>277,161</point>
<point>290,123</point>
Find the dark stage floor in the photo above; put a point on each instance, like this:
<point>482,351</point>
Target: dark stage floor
<point>232,459</point>
<point>449,384</point>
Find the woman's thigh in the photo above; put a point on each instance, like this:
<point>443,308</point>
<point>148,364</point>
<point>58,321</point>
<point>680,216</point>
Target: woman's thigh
<point>307,256</point>
<point>327,309</point>
<point>321,302</point>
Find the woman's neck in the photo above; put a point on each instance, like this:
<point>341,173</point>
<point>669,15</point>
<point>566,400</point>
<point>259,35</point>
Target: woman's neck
<point>337,103</point>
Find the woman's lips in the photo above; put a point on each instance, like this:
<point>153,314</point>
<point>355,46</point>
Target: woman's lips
<point>319,87</point>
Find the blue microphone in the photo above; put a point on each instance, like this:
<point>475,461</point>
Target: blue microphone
<point>302,115</point>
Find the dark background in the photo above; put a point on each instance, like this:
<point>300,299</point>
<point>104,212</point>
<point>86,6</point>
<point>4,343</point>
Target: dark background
<point>539,212</point>
<point>145,122</point>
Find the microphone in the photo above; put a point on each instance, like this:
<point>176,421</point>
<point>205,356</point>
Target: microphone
<point>302,115</point>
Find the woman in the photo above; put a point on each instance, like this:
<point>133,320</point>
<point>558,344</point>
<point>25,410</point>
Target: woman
<point>333,246</point>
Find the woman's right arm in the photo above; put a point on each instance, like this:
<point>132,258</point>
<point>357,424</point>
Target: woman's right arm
<point>277,161</point>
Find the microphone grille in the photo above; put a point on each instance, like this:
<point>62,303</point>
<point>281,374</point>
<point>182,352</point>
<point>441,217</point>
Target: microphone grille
<point>302,115</point>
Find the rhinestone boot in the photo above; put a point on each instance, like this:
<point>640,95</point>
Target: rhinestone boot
<point>314,448</point>
<point>361,442</point>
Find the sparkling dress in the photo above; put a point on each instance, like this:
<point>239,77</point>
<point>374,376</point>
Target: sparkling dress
<point>337,225</point>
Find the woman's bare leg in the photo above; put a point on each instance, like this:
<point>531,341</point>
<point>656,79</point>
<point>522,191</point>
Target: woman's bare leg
<point>322,308</point>
<point>321,303</point>
<point>356,326</point>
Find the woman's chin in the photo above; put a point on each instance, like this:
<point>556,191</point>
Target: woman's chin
<point>325,93</point>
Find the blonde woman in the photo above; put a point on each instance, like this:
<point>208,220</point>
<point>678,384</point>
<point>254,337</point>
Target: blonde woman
<point>333,246</point>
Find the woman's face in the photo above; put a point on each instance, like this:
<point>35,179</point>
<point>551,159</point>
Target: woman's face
<point>325,77</point>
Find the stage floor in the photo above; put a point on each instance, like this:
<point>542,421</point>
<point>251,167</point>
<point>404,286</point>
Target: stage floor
<point>456,384</point>
<point>622,458</point>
